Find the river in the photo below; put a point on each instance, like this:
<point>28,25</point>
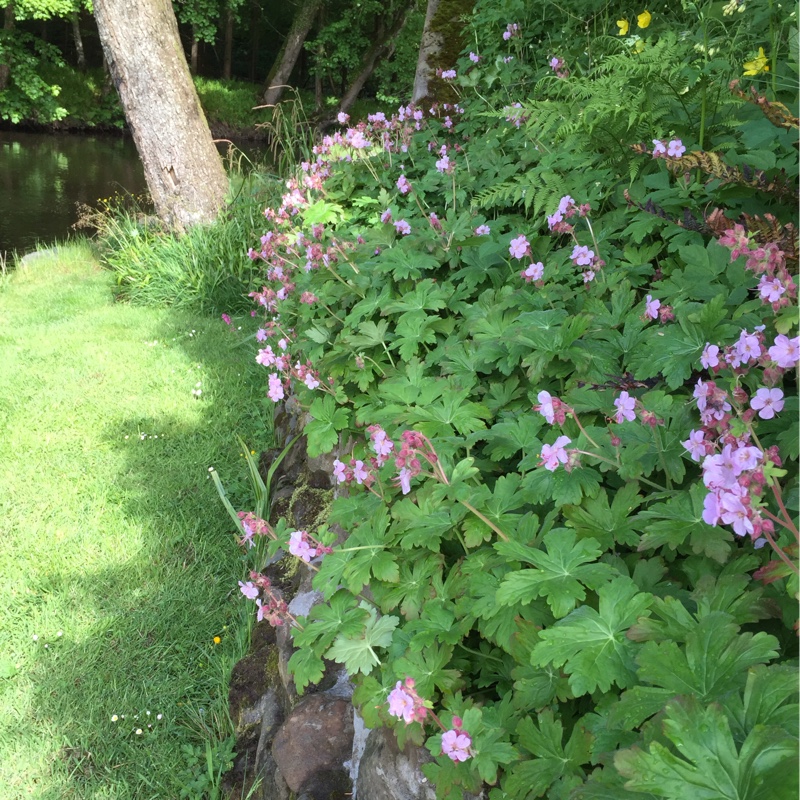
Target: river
<point>44,176</point>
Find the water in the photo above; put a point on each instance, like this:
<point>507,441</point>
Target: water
<point>44,176</point>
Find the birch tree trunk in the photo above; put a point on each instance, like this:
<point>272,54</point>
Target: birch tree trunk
<point>430,45</point>
<point>290,51</point>
<point>78,39</point>
<point>182,167</point>
<point>383,47</point>
<point>228,52</point>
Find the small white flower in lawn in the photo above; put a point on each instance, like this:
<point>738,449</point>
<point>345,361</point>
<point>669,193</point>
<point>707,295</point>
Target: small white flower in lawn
<point>211,469</point>
<point>60,633</point>
<point>114,717</point>
<point>46,646</point>
<point>147,712</point>
<point>35,637</point>
<point>126,437</point>
<point>159,716</point>
<point>138,731</point>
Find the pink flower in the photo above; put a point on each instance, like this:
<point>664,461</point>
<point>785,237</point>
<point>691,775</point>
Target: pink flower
<point>403,185</point>
<point>625,408</point>
<point>748,348</point>
<point>339,471</point>
<point>343,118</point>
<point>266,357</point>
<point>659,148</point>
<point>474,58</point>
<point>519,247</point>
<point>768,402</point>
<point>401,704</point>
<point>512,29</point>
<point>402,227</point>
<point>249,590</point>
<point>545,407</point>
<point>483,230</point>
<point>554,219</point>
<point>261,335</point>
<point>299,546</point>
<point>310,381</point>
<point>386,216</point>
<point>588,276</point>
<point>404,480</point>
<point>734,512</point>
<point>770,289</point>
<point>226,319</point>
<point>582,255</point>
<point>360,472</point>
<point>696,445</point>
<point>552,454</point>
<point>275,391</point>
<point>443,164</point>
<point>651,307</point>
<point>448,74</point>
<point>711,509</point>
<point>785,352</point>
<point>566,204</point>
<point>534,272</point>
<point>710,357</point>
<point>456,744</point>
<point>675,149</point>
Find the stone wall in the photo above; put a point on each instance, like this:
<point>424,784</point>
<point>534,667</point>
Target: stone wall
<point>314,746</point>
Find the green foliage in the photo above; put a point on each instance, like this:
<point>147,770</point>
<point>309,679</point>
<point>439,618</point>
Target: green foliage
<point>205,269</point>
<point>27,95</point>
<point>596,636</point>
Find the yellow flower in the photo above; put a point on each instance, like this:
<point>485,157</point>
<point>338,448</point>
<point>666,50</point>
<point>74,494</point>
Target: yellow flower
<point>623,26</point>
<point>643,20</point>
<point>217,640</point>
<point>758,64</point>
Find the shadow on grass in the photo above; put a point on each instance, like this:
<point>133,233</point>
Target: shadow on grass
<point>160,608</point>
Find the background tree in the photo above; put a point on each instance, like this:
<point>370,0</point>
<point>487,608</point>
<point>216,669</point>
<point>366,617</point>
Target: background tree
<point>292,47</point>
<point>183,170</point>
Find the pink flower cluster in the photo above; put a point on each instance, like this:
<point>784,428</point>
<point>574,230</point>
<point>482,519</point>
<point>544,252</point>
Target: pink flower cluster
<point>733,467</point>
<point>558,66</point>
<point>414,449</point>
<point>567,208</point>
<point>653,309</point>
<point>406,704</point>
<point>749,350</point>
<point>776,285</point>
<point>512,31</point>
<point>516,115</point>
<point>252,526</point>
<point>675,149</point>
<point>305,547</point>
<point>272,608</point>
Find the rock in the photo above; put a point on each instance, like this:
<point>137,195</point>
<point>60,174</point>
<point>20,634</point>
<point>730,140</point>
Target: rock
<point>388,773</point>
<point>312,745</point>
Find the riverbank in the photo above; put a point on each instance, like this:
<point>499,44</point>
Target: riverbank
<point>119,628</point>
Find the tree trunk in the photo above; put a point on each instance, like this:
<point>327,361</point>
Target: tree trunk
<point>8,25</point>
<point>183,170</point>
<point>76,35</point>
<point>255,38</point>
<point>429,46</point>
<point>287,58</point>
<point>228,56</point>
<point>384,45</point>
<point>195,46</point>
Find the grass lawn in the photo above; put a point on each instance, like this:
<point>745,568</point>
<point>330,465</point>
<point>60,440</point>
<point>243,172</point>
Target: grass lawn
<point>118,561</point>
